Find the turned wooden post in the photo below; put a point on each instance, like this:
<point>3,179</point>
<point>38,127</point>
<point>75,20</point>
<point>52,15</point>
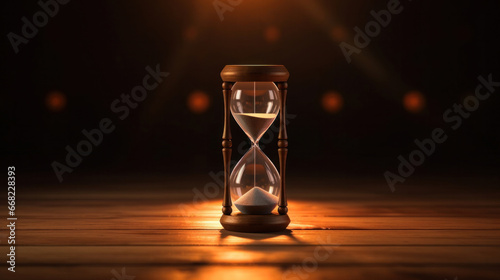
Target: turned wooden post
<point>282,148</point>
<point>227,148</point>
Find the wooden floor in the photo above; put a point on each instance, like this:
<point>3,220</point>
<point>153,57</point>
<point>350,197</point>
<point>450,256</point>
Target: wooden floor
<point>350,229</point>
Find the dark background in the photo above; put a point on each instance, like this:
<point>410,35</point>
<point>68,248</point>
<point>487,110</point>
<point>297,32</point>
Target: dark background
<point>93,51</point>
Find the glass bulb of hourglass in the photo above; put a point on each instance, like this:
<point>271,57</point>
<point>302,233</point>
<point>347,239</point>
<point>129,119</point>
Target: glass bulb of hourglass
<point>255,182</point>
<point>254,106</point>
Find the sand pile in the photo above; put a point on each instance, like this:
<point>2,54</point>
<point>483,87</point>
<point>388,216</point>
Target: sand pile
<point>256,201</point>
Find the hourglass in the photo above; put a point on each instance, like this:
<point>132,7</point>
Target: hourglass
<point>254,95</point>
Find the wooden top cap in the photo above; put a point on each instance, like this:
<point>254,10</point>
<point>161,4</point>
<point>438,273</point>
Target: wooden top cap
<point>254,73</point>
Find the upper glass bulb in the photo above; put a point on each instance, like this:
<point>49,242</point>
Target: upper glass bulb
<point>254,106</point>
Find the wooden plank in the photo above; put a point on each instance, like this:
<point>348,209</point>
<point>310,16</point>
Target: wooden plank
<point>154,208</point>
<point>260,255</point>
<point>217,272</point>
<point>291,238</point>
<point>395,223</point>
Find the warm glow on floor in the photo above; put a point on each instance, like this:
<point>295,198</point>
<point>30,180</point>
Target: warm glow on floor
<point>237,273</point>
<point>211,211</point>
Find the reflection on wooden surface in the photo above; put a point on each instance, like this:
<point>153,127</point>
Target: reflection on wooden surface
<point>361,233</point>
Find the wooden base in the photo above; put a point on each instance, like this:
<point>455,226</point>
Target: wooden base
<point>255,223</point>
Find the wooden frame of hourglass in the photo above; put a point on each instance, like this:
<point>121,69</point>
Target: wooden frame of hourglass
<point>273,222</point>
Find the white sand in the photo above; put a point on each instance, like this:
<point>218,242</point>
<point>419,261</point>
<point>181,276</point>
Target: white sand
<point>256,201</point>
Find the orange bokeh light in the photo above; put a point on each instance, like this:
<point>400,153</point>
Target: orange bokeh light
<point>272,34</point>
<point>190,33</point>
<point>339,33</point>
<point>414,101</point>
<point>198,102</point>
<point>332,102</point>
<point>55,101</point>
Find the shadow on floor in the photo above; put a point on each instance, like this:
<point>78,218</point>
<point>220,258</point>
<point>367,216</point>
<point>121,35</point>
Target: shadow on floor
<point>258,236</point>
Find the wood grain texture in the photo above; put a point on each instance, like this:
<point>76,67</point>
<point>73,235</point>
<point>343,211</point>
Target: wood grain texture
<point>262,255</point>
<point>298,222</point>
<point>137,237</point>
